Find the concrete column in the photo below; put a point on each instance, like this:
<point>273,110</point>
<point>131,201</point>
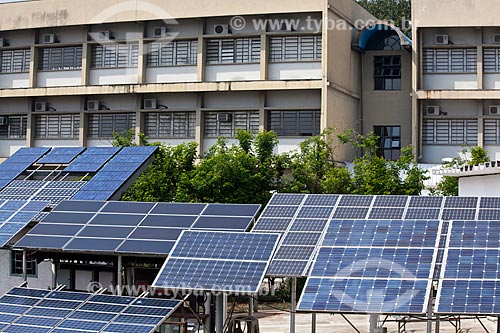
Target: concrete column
<point>142,58</point>
<point>479,39</point>
<point>201,51</point>
<point>30,129</point>
<point>262,111</point>
<point>139,120</point>
<point>119,275</point>
<point>480,124</point>
<point>313,325</point>
<point>25,266</point>
<point>264,56</point>
<point>373,323</point>
<point>86,58</point>
<point>33,61</point>
<point>199,123</point>
<point>82,131</point>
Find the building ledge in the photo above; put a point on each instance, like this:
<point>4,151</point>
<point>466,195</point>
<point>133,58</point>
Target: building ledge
<point>458,94</point>
<point>153,88</point>
<point>489,168</point>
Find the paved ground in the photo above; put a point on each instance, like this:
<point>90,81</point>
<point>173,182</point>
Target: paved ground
<point>279,322</point>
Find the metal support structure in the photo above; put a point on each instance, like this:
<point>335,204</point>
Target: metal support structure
<point>25,267</point>
<point>293,296</point>
<point>498,325</point>
<point>313,322</point>
<point>220,312</point>
<point>251,305</point>
<point>349,322</point>
<point>119,276</point>
<point>429,314</point>
<point>438,324</point>
<point>373,323</point>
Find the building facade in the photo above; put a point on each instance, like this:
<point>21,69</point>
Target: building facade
<point>177,71</point>
<point>456,78</point>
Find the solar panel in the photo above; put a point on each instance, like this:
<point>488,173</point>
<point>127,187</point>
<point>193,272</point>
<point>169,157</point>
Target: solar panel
<point>92,159</point>
<point>426,202</point>
<point>390,201</point>
<point>460,202</point>
<point>367,266</point>
<point>199,258</point>
<point>422,214</point>
<point>129,227</point>
<point>458,214</point>
<point>280,199</point>
<point>356,200</point>
<point>115,173</point>
<point>65,312</point>
<point>61,155</point>
<point>350,213</point>
<point>489,202</point>
<point>18,163</point>
<point>15,216</point>
<point>386,213</point>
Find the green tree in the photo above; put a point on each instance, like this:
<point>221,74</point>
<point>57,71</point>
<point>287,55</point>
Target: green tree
<point>243,173</point>
<point>448,186</point>
<point>397,12</point>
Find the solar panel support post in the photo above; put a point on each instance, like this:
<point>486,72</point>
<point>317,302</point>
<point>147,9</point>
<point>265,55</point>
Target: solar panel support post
<point>498,324</point>
<point>220,312</point>
<point>25,267</point>
<point>251,305</point>
<point>313,322</point>
<point>373,323</point>
<point>438,321</point>
<point>293,296</point>
<point>119,275</point>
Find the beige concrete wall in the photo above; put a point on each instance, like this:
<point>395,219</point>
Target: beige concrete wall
<point>454,13</point>
<point>47,13</point>
<point>387,108</point>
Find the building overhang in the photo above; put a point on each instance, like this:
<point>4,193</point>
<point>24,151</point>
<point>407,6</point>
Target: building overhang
<point>379,27</point>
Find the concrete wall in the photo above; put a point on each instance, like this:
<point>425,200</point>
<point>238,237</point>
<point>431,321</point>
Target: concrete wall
<point>9,147</point>
<point>171,74</point>
<point>113,76</point>
<point>294,71</point>
<point>7,282</point>
<point>387,108</point>
<point>59,78</point>
<point>479,186</point>
<point>436,153</point>
<point>15,80</point>
<point>238,72</point>
<point>449,81</point>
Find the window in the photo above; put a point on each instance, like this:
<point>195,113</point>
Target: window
<point>450,60</point>
<point>294,122</point>
<point>115,55</point>
<point>174,53</point>
<point>390,43</point>
<point>60,58</point>
<point>15,61</point>
<point>491,60</point>
<point>450,131</point>
<point>233,50</point>
<point>104,125</point>
<point>245,120</point>
<point>15,128</point>
<point>295,48</point>
<point>57,126</point>
<point>492,131</point>
<point>170,124</point>
<point>16,263</point>
<point>387,73</point>
<point>389,146</point>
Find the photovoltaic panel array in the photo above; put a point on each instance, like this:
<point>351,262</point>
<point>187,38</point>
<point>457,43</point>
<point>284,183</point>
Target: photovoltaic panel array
<point>373,266</point>
<point>130,227</point>
<point>116,173</point>
<point>470,277</point>
<point>217,261</point>
<point>18,162</point>
<point>42,311</point>
<point>92,159</point>
<point>51,191</point>
<point>15,216</point>
<point>61,155</point>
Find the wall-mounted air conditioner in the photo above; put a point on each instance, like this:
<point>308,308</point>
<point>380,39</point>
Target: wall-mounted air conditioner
<point>48,39</point>
<point>150,104</point>
<point>159,32</point>
<point>432,110</point>
<point>494,110</point>
<point>441,40</point>
<point>223,117</point>
<point>40,107</point>
<point>221,29</point>
<point>4,121</point>
<point>93,105</point>
<point>496,39</point>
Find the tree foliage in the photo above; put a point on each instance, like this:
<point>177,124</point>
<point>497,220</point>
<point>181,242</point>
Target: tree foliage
<point>397,12</point>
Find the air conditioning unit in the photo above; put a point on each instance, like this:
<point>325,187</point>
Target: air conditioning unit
<point>496,39</point>
<point>104,35</point>
<point>3,42</point>
<point>432,111</point>
<point>93,105</point>
<point>150,104</point>
<point>48,39</point>
<point>40,107</point>
<point>4,121</point>
<point>159,32</point>
<point>221,29</point>
<point>494,110</point>
<point>223,117</point>
<point>441,40</point>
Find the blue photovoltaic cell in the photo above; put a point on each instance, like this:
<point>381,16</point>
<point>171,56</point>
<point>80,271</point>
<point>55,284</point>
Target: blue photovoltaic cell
<point>270,224</point>
<point>286,252</point>
<point>469,297</point>
<point>489,214</point>
<point>386,213</point>
<point>221,222</point>
<point>218,261</point>
<point>426,202</point>
<point>350,213</point>
<point>92,159</point>
<point>315,212</point>
<point>472,264</point>
<point>490,202</point>
<point>475,234</point>
<point>232,210</point>
<point>61,155</point>
<point>287,267</point>
<point>280,199</point>
<point>129,159</point>
<point>302,238</point>
<point>458,214</point>
<point>460,202</point>
<point>280,211</point>
<point>383,233</point>
<point>321,200</point>
<point>422,214</point>
<point>19,162</point>
<point>390,201</point>
<point>356,200</point>
<point>15,216</point>
<point>378,296</point>
<point>317,225</point>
